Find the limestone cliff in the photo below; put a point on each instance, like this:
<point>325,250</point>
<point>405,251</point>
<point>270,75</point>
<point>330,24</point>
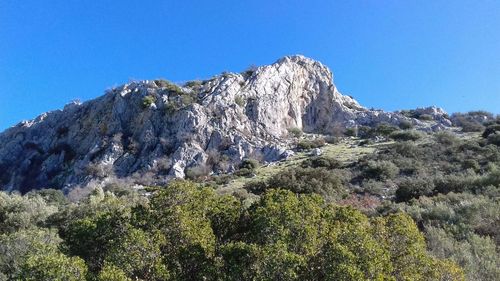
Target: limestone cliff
<point>155,129</point>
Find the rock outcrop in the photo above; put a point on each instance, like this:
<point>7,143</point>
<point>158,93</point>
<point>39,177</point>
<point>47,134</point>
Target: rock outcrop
<point>152,131</point>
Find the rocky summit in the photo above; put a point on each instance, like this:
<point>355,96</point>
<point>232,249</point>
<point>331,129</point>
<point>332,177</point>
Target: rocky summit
<point>148,132</point>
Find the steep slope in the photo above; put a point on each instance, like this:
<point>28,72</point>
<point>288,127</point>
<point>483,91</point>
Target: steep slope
<point>151,131</point>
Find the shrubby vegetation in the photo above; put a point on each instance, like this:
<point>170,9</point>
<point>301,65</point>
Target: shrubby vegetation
<point>188,232</point>
<point>448,183</point>
<point>423,207</point>
<point>473,121</point>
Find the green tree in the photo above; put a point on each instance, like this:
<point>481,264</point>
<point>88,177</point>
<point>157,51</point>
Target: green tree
<point>139,256</point>
<point>53,266</point>
<point>16,247</point>
<point>92,237</point>
<point>112,273</point>
<point>285,217</point>
<point>350,249</point>
<point>181,213</point>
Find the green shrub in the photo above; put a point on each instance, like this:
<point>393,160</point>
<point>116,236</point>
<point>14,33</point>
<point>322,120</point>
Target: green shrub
<point>413,188</point>
<point>405,125</point>
<point>425,117</point>
<point>256,187</point>
<point>195,84</point>
<point>309,180</point>
<point>244,172</point>
<point>308,144</point>
<point>365,142</point>
<point>446,138</point>
<point>494,139</point>
<point>295,132</point>
<point>239,101</point>
<point>491,129</point>
<point>147,101</point>
<point>321,161</point>
<point>54,266</point>
<point>351,132</point>
<point>406,135</point>
<point>384,129</point>
<point>249,71</point>
<point>380,170</point>
<point>249,163</point>
<point>168,86</point>
<point>472,121</point>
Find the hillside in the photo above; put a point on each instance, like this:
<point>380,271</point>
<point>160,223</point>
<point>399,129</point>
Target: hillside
<point>419,207</point>
<point>270,174</point>
<point>148,132</point>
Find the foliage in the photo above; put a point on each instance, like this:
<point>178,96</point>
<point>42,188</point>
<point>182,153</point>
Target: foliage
<point>409,135</point>
<point>188,232</point>
<point>310,144</point>
<point>295,132</point>
<point>168,86</point>
<point>249,163</point>
<point>54,266</point>
<point>444,188</point>
<point>308,180</point>
<point>239,101</point>
<point>405,125</point>
<point>381,170</point>
<point>473,121</point>
<point>321,161</point>
<point>147,101</point>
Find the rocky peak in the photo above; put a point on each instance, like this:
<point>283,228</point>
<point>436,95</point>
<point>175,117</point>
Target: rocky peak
<point>152,131</point>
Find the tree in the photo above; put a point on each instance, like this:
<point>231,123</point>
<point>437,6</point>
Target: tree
<point>92,237</point>
<point>112,273</point>
<point>284,217</point>
<point>138,255</point>
<point>16,247</point>
<point>53,266</point>
<point>181,213</point>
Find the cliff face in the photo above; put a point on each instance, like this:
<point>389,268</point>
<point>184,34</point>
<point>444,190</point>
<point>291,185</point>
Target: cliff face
<point>155,130</point>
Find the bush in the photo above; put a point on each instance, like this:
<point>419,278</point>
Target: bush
<point>244,172</point>
<point>494,139</point>
<point>195,84</point>
<point>365,142</point>
<point>54,266</point>
<point>249,71</point>
<point>351,132</point>
<point>197,172</point>
<point>256,187</point>
<point>239,101</point>
<point>472,121</point>
<point>308,180</point>
<point>295,132</point>
<point>425,117</point>
<point>321,161</point>
<point>168,86</point>
<point>405,125</point>
<point>308,144</point>
<point>384,129</point>
<point>406,135</point>
<point>147,101</point>
<point>491,129</point>
<point>249,163</point>
<point>413,188</point>
<point>380,170</point>
<point>470,126</point>
<point>446,138</point>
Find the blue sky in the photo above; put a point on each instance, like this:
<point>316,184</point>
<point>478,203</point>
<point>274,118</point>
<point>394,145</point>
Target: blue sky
<point>387,54</point>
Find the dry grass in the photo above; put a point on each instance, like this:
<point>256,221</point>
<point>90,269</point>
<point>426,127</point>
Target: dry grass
<point>347,151</point>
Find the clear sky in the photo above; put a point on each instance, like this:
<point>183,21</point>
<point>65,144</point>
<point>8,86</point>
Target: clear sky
<point>387,54</point>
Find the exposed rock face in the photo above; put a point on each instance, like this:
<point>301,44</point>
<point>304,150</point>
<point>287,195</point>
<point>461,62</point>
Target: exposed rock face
<point>151,131</point>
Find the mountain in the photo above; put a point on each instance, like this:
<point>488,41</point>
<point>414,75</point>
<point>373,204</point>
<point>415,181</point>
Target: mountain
<point>149,132</point>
